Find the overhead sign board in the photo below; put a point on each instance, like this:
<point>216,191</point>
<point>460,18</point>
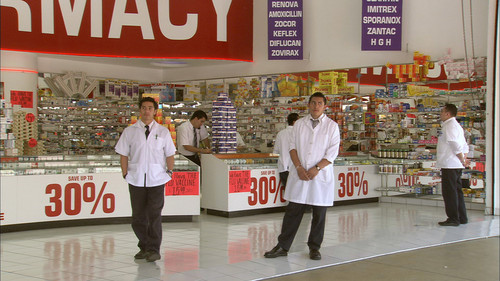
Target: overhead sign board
<point>217,29</point>
<point>381,25</point>
<point>285,18</point>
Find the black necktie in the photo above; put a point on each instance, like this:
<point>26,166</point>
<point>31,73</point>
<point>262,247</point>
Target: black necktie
<point>195,137</point>
<point>314,122</point>
<point>147,131</point>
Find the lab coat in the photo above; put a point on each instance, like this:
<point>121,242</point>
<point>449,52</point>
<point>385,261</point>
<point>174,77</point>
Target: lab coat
<point>450,143</point>
<point>282,147</point>
<point>312,145</point>
<point>185,136</point>
<point>147,159</point>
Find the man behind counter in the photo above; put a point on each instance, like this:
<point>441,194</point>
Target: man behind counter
<point>190,134</point>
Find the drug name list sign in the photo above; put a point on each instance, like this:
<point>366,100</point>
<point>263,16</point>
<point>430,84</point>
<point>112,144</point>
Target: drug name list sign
<point>285,30</point>
<point>381,25</point>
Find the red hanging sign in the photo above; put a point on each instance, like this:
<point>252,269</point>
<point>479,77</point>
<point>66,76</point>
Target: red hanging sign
<point>22,98</point>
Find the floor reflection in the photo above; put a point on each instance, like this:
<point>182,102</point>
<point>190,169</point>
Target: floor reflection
<point>215,248</point>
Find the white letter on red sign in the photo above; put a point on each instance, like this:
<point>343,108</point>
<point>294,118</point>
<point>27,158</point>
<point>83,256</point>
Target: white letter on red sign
<point>72,16</point>
<point>175,32</point>
<point>23,13</point>
<point>96,18</point>
<point>221,9</point>
<point>48,16</point>
<point>120,19</point>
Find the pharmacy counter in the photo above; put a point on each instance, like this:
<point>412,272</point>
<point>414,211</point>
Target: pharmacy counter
<point>245,184</point>
<point>50,191</point>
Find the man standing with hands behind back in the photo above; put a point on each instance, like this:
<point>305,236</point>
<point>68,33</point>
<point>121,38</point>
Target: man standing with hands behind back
<point>314,145</point>
<point>452,149</point>
<point>147,159</point>
<point>190,134</point>
<point>282,147</point>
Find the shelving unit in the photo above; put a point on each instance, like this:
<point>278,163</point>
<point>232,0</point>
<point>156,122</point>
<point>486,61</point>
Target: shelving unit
<point>84,126</point>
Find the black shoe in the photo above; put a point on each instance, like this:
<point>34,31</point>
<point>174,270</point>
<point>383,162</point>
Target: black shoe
<point>464,222</point>
<point>448,223</point>
<point>152,256</point>
<point>140,255</point>
<point>314,254</point>
<point>276,252</point>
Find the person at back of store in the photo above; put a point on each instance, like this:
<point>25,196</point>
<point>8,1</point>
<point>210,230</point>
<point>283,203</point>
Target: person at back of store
<point>282,147</point>
<point>452,149</point>
<point>314,145</point>
<point>192,137</point>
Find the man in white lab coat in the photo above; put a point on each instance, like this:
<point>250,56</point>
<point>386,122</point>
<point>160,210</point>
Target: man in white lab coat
<point>452,152</point>
<point>147,158</point>
<point>282,147</point>
<point>314,145</point>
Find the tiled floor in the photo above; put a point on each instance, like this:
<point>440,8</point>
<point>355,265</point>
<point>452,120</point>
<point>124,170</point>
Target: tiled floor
<point>216,248</point>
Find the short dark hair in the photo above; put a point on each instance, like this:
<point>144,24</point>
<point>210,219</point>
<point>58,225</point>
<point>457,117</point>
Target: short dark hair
<point>148,99</point>
<point>317,95</point>
<point>292,117</point>
<point>199,114</point>
<point>451,108</point>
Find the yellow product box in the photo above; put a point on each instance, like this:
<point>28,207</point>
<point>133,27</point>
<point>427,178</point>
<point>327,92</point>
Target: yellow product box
<point>328,75</point>
<point>342,82</point>
<point>288,85</point>
<point>171,128</point>
<point>325,90</point>
<point>346,89</point>
<point>327,82</point>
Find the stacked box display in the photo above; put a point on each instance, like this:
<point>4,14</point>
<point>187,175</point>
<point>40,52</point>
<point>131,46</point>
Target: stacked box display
<point>223,125</point>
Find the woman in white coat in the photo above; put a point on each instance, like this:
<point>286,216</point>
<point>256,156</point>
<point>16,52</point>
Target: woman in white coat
<point>313,148</point>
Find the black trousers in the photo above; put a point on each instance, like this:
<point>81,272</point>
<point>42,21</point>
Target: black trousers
<point>291,222</point>
<point>147,203</point>
<point>453,196</point>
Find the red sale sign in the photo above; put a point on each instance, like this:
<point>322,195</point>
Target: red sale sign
<point>356,182</point>
<point>220,29</point>
<point>183,183</point>
<point>22,98</point>
<point>255,189</point>
<point>239,181</point>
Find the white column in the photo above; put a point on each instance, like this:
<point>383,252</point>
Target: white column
<point>493,114</point>
<point>20,73</point>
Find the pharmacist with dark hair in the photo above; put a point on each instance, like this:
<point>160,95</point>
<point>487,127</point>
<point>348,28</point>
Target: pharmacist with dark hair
<point>190,134</point>
<point>452,149</point>
<point>281,147</point>
<point>314,145</point>
<point>147,159</point>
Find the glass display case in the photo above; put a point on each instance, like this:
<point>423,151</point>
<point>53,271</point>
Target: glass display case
<point>73,164</point>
